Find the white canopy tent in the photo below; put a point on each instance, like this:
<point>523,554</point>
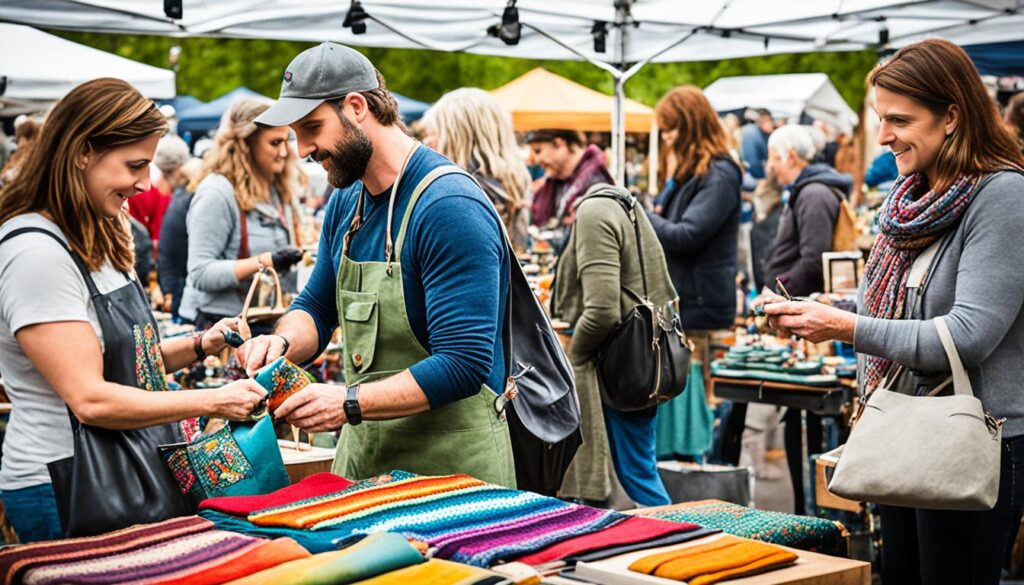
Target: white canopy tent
<point>631,33</point>
<point>41,66</point>
<point>787,95</point>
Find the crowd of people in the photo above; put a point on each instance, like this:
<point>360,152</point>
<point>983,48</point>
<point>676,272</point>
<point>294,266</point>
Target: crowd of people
<point>412,263</point>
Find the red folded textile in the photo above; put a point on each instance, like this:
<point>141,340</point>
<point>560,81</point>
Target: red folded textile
<point>632,530</point>
<point>312,486</point>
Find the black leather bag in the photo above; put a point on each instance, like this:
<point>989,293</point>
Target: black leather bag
<point>539,401</point>
<point>646,359</point>
<point>115,479</point>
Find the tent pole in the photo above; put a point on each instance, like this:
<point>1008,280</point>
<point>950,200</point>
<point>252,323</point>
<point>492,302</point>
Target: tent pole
<point>619,130</point>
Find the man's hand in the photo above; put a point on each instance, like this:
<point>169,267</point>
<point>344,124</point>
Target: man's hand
<point>315,409</point>
<point>815,322</point>
<point>259,351</point>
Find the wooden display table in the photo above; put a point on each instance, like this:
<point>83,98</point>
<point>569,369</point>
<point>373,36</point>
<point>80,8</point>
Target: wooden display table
<point>824,400</point>
<point>308,460</point>
<point>810,568</point>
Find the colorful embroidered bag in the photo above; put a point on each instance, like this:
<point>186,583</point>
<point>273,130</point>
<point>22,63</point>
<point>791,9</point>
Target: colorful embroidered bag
<point>240,459</point>
<point>281,379</point>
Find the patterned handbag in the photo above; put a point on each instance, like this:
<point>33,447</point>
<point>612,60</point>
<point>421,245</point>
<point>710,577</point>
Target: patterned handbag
<point>240,459</point>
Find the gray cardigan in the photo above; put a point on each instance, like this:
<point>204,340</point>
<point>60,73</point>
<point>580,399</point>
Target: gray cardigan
<point>977,285</point>
<point>214,239</point>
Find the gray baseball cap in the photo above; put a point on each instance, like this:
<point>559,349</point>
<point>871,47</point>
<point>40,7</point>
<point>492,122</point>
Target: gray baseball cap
<point>327,71</point>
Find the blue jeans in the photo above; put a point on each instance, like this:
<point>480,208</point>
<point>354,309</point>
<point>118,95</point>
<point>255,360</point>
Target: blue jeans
<point>32,511</point>
<point>631,438</point>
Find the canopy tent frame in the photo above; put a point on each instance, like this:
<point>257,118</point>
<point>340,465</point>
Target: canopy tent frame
<point>781,26</point>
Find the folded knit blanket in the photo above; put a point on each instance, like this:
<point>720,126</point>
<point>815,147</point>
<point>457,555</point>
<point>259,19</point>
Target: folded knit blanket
<point>180,550</point>
<point>802,532</point>
<point>465,519</point>
<point>315,485</point>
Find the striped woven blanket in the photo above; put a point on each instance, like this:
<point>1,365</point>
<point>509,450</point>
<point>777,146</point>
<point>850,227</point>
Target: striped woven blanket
<point>180,550</point>
<point>464,519</point>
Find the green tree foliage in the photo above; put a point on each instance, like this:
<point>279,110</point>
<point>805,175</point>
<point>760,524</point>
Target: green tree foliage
<point>209,67</point>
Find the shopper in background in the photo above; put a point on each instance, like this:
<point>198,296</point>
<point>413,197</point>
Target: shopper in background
<point>172,255</point>
<point>1014,118</point>
<point>597,268</point>
<point>698,222</point>
<point>961,183</point>
<point>25,133</point>
<point>475,133</point>
<point>571,167</point>
<point>76,332</point>
<point>754,143</point>
<point>810,209</point>
<point>243,216</point>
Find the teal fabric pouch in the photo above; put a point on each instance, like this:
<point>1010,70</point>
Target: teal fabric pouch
<point>239,459</point>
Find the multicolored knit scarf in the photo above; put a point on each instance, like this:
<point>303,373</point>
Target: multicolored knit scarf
<point>909,221</point>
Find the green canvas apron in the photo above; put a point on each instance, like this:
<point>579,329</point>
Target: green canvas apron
<point>465,436</point>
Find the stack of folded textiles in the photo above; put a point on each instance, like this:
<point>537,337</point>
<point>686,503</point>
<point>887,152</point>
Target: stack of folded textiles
<point>802,532</point>
<point>728,557</point>
<point>177,551</point>
<point>461,518</point>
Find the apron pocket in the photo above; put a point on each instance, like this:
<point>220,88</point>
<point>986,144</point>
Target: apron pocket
<point>359,323</point>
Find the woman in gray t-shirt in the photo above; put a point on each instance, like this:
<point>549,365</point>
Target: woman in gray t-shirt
<point>243,215</point>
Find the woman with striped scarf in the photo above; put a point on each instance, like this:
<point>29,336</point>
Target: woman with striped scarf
<point>960,185</point>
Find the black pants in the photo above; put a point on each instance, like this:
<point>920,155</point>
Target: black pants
<point>795,452</point>
<point>928,547</point>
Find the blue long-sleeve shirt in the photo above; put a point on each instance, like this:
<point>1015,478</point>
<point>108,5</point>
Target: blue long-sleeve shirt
<point>754,149</point>
<point>455,269</point>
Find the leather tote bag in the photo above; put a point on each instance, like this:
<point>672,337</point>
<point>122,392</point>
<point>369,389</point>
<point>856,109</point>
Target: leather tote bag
<point>935,452</point>
<point>646,359</point>
<point>114,480</point>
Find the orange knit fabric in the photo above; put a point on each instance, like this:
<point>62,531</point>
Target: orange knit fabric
<point>727,557</point>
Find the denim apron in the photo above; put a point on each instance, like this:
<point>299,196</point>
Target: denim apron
<point>465,436</point>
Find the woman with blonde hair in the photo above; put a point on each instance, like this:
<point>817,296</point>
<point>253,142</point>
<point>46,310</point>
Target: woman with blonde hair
<point>243,215</point>
<point>475,133</point>
<point>76,332</point>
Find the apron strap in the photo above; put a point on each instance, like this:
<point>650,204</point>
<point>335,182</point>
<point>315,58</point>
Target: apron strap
<point>89,283</point>
<point>420,188</point>
<point>389,246</point>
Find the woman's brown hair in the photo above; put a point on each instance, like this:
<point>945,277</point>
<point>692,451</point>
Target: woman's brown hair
<point>700,135</point>
<point>231,156</point>
<point>938,74</point>
<point>95,117</point>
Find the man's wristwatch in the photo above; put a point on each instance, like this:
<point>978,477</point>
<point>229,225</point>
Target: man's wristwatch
<point>353,413</point>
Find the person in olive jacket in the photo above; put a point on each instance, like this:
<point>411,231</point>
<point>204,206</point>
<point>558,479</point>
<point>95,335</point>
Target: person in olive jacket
<point>698,220</point>
<point>599,264</point>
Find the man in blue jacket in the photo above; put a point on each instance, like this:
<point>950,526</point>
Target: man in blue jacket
<point>414,267</point>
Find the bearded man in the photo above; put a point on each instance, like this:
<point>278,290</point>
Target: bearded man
<point>414,266</point>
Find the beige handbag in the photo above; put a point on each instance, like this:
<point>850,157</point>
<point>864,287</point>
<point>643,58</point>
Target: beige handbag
<point>259,314</point>
<point>936,452</point>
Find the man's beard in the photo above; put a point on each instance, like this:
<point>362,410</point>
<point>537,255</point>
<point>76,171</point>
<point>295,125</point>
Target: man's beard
<point>349,157</point>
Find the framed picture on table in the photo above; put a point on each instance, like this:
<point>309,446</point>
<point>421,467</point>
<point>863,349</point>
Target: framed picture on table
<point>843,270</point>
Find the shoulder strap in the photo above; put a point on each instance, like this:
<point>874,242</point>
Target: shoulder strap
<point>628,203</point>
<point>425,182</point>
<point>82,268</point>
<point>961,382</point>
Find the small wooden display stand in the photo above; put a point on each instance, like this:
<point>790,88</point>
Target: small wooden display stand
<point>305,461</point>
